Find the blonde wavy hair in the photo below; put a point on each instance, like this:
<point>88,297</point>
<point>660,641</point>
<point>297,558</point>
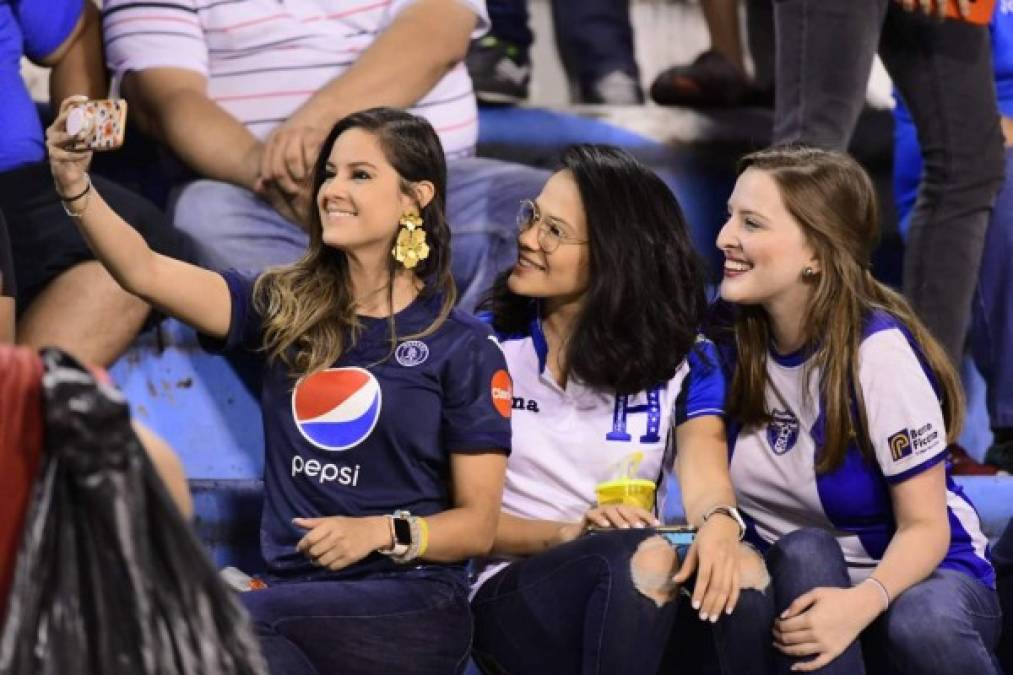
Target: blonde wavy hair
<point>308,307</point>
<point>832,199</point>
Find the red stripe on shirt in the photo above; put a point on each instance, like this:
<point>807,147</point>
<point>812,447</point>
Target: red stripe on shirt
<point>251,22</point>
<point>356,10</point>
<point>458,125</point>
<point>266,94</point>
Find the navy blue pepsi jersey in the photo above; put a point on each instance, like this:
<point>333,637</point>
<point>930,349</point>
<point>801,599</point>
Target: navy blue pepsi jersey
<point>374,432</point>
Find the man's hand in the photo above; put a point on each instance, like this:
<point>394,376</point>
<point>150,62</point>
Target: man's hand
<point>937,8</point>
<point>290,153</point>
<point>295,208</point>
<point>337,542</point>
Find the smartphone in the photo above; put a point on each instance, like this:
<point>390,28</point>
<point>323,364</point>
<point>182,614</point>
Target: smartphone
<point>676,535</point>
<point>99,124</point>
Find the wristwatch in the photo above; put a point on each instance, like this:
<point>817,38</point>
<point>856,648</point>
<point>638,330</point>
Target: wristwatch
<point>732,513</point>
<point>400,534</point>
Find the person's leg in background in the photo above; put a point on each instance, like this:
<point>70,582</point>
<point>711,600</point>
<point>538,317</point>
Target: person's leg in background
<point>405,622</point>
<point>595,43</point>
<point>499,63</point>
<point>818,94</point>
<point>602,603</point>
<point>65,298</point>
<point>227,226</point>
<point>716,77</point>
<point>482,202</point>
<point>943,70</point>
<point>992,321</point>
<point>84,312</point>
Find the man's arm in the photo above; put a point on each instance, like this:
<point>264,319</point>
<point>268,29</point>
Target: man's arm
<point>172,105</point>
<point>77,64</point>
<point>426,40</point>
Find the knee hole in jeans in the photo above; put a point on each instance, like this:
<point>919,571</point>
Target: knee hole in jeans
<point>652,567</point>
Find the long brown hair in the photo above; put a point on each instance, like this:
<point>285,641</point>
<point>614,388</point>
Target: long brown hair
<point>308,307</point>
<point>832,199</point>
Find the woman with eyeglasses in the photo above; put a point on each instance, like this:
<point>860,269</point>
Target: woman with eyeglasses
<point>597,320</point>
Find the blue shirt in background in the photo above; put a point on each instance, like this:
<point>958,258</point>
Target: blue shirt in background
<point>32,28</point>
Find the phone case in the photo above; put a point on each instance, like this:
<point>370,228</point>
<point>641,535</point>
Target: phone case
<point>103,123</point>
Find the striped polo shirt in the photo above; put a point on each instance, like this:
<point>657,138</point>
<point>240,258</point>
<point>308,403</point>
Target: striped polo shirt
<point>264,58</point>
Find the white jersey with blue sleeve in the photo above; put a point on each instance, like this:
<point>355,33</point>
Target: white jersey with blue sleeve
<point>773,466</point>
<point>567,440</point>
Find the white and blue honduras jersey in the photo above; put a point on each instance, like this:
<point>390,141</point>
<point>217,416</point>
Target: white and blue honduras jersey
<point>773,472</point>
<point>567,440</point>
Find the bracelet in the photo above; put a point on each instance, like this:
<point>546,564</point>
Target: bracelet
<point>65,201</point>
<point>76,197</point>
<point>882,589</point>
<point>423,537</point>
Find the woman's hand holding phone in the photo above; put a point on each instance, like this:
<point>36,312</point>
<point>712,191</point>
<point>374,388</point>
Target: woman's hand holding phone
<point>69,159</point>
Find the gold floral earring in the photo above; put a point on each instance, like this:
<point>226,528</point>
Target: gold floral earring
<point>411,247</point>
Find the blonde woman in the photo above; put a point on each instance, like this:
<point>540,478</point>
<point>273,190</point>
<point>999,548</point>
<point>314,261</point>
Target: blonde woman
<point>385,411</point>
<point>841,407</point>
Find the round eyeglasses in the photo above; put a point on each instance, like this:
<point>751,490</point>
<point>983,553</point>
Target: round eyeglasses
<point>550,235</point>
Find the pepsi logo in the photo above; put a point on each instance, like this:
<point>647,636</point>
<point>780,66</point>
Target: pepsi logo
<point>337,408</point>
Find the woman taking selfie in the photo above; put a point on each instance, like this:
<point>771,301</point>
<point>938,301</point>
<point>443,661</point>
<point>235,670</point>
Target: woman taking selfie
<point>385,426</point>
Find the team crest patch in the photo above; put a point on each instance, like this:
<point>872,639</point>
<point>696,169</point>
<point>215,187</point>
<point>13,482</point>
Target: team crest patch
<point>502,392</point>
<point>337,409</point>
<point>411,353</point>
<point>900,445</point>
<point>782,431</point>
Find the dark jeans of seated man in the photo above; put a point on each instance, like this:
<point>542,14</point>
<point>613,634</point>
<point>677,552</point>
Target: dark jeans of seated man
<point>576,608</point>
<point>415,621</point>
<point>947,624</point>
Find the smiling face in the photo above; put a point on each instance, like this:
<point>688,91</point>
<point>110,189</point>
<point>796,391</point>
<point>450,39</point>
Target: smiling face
<point>563,274</point>
<point>360,200</point>
<point>765,248</point>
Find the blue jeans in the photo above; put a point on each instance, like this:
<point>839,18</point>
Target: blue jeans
<point>947,624</point>
<point>943,70</point>
<point>571,609</point>
<point>228,226</point>
<point>416,621</point>
<point>575,609</point>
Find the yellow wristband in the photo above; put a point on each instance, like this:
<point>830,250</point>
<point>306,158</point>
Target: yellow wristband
<point>423,537</point>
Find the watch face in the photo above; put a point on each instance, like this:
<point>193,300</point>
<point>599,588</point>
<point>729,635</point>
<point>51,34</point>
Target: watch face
<point>402,531</point>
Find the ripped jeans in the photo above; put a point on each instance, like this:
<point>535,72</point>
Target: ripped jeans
<point>579,608</point>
